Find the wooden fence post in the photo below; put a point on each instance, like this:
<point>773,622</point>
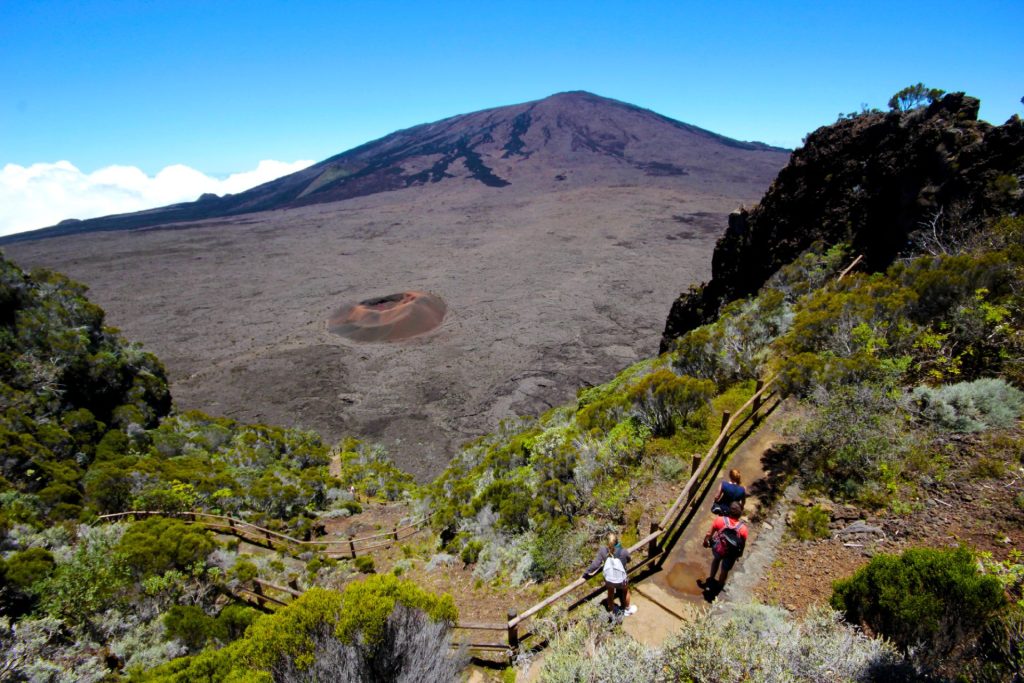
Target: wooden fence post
<point>396,532</point>
<point>513,633</point>
<point>695,464</point>
<point>652,547</point>
<point>725,439</point>
<point>293,583</point>
<point>352,546</point>
<point>757,400</point>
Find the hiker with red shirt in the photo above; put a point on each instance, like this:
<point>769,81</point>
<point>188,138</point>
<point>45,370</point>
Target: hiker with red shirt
<point>727,539</point>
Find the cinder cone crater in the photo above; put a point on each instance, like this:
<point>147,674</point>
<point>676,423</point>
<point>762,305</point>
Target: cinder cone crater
<point>388,318</point>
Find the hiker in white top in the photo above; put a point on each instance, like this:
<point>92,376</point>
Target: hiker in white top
<point>612,559</point>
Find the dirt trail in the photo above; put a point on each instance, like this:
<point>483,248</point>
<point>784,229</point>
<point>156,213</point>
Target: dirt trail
<point>672,593</point>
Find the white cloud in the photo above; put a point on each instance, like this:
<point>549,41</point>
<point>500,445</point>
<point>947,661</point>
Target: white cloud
<point>44,194</point>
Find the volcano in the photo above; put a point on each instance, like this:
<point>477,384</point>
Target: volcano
<point>419,289</point>
<point>571,139</point>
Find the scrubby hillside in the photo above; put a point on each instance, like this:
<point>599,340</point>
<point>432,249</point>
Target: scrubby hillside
<point>903,379</point>
<point>888,184</point>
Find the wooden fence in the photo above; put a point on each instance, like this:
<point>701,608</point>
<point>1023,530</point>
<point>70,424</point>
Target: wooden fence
<point>348,547</point>
<point>668,530</point>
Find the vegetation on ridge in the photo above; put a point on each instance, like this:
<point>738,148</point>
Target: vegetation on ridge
<point>904,371</point>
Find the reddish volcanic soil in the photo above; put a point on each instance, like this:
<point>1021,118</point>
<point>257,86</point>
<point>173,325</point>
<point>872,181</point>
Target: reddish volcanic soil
<point>388,318</point>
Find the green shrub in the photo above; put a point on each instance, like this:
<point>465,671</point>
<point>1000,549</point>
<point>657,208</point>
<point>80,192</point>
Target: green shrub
<point>663,400</point>
<point>352,506</point>
<point>158,544</point>
<point>245,570</point>
<point>933,598</point>
<point>364,564</point>
<point>29,566</point>
<point>374,617</point>
<point>233,620</point>
<point>380,629</point>
<point>970,406</point>
<point>92,580</point>
<point>988,468</point>
<point>191,625</point>
<point>855,440</point>
<point>671,467</point>
<point>471,552</point>
<point>810,523</point>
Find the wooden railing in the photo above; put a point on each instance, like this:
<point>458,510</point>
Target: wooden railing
<point>671,523</point>
<point>348,547</point>
<point>258,596</point>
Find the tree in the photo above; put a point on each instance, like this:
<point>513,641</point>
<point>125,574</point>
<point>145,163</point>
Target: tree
<point>914,96</point>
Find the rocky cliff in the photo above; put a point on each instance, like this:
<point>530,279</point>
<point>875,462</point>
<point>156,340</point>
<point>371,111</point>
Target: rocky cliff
<point>874,180</point>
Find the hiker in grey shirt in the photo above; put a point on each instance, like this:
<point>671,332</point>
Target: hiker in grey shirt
<point>616,579</point>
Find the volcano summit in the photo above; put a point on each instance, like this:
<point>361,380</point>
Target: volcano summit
<point>556,234</point>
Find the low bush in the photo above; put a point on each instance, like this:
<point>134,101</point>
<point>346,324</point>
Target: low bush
<point>378,630</point>
<point>854,442</point>
<point>664,401</point>
<point>364,564</point>
<point>749,644</point>
<point>757,643</point>
<point>970,406</point>
<point>928,602</point>
<point>810,523</point>
<point>157,544</point>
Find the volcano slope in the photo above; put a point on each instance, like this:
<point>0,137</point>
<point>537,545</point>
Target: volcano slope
<point>553,233</point>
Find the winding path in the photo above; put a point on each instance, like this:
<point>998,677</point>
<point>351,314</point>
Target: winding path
<point>671,594</point>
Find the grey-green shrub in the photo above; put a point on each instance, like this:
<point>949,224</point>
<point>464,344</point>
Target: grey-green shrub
<point>595,651</point>
<point>757,643</point>
<point>970,406</point>
<point>751,643</point>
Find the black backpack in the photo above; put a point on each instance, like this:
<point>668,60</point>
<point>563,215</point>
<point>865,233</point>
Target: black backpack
<point>728,542</point>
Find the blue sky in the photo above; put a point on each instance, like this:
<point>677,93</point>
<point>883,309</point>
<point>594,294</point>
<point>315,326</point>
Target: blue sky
<point>219,86</point>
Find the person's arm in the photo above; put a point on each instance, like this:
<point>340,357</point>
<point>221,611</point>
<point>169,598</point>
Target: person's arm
<point>715,526</point>
<point>721,492</point>
<point>602,555</point>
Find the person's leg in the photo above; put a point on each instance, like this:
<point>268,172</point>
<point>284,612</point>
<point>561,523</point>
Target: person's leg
<point>609,602</point>
<point>625,596</point>
<point>715,561</point>
<point>726,566</point>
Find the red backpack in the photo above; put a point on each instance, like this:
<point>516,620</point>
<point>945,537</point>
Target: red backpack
<point>728,542</point>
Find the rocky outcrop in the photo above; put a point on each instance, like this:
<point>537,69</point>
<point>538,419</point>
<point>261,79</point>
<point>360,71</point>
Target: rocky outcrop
<point>870,180</point>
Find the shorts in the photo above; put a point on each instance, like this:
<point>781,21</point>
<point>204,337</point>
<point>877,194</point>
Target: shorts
<point>727,562</point>
<point>619,588</point>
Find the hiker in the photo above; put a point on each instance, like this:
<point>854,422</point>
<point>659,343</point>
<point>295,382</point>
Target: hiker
<point>727,539</point>
<point>729,492</point>
<point>612,559</point>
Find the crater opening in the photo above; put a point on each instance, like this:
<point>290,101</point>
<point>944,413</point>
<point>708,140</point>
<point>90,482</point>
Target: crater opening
<point>388,318</point>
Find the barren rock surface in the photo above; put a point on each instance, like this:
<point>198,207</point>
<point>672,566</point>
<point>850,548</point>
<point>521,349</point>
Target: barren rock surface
<point>558,278</point>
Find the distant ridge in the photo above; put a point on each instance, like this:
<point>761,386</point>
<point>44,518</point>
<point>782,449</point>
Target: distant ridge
<point>568,139</point>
